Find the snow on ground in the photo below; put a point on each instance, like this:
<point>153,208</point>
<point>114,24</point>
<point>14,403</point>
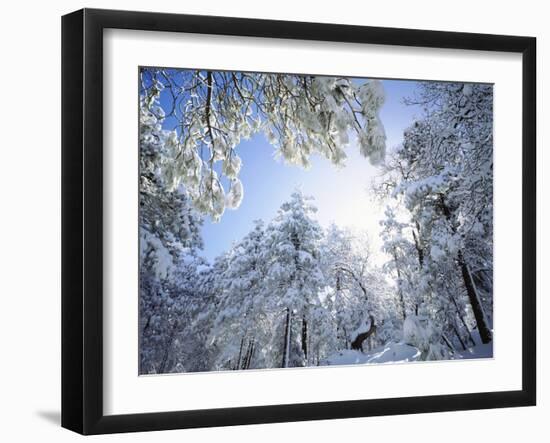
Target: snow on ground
<point>479,351</point>
<point>398,353</point>
<point>390,353</point>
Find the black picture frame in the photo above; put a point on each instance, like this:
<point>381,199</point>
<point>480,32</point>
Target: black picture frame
<point>82,218</point>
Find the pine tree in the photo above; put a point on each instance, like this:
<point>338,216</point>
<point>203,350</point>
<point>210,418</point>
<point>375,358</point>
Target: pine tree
<point>294,278</point>
<point>241,325</point>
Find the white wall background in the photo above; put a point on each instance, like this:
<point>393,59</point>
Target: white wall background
<point>30,219</point>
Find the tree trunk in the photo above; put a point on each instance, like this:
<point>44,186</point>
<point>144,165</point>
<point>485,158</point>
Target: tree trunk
<point>418,247</point>
<point>399,289</point>
<point>420,253</point>
<point>252,349</point>
<point>463,322</point>
<point>482,326</point>
<point>162,366</point>
<point>248,355</point>
<point>448,342</point>
<point>346,340</point>
<point>304,338</point>
<point>238,365</point>
<point>459,337</point>
<point>286,346</point>
<point>484,331</point>
<point>357,344</point>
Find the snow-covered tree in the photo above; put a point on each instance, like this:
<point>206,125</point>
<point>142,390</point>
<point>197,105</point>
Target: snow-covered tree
<point>443,176</point>
<point>349,297</point>
<point>242,317</point>
<point>358,296</point>
<point>212,111</point>
<point>169,239</point>
<point>294,279</point>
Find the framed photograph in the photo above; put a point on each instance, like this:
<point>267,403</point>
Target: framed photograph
<point>269,221</point>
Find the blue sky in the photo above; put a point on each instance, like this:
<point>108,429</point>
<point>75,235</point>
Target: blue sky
<point>342,195</point>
